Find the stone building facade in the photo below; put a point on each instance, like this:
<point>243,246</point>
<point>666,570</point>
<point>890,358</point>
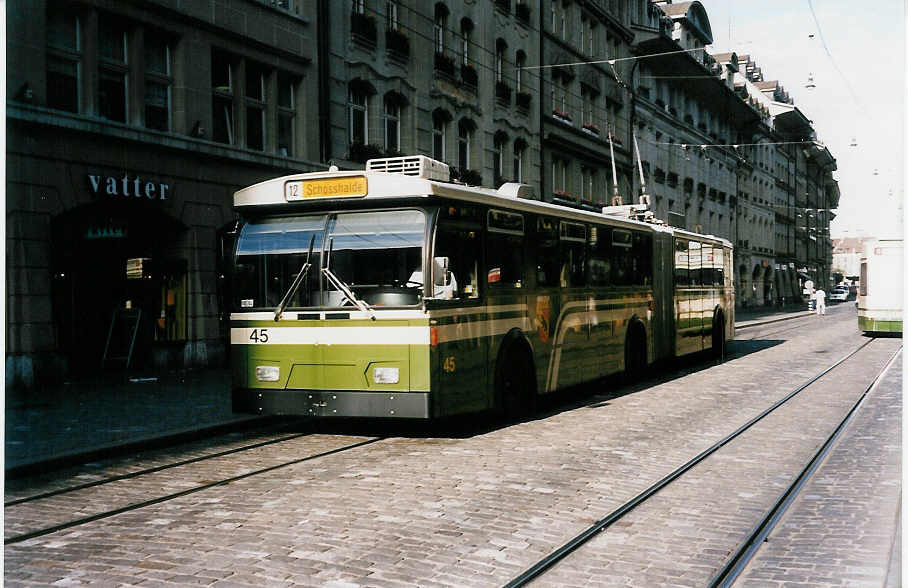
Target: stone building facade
<point>130,124</point>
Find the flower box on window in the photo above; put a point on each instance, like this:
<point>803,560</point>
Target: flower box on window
<point>591,128</point>
<point>469,76</point>
<point>562,195</point>
<point>503,92</point>
<point>398,43</point>
<point>615,139</point>
<point>561,115</point>
<point>444,64</point>
<point>523,99</point>
<point>363,27</point>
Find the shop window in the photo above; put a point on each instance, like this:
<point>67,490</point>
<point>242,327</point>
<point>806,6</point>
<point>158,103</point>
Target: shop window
<point>286,116</point>
<point>112,70</point>
<point>222,99</point>
<point>64,60</point>
<point>158,82</point>
<point>255,107</point>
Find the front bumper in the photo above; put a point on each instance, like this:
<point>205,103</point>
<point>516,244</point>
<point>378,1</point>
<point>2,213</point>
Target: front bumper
<point>336,403</point>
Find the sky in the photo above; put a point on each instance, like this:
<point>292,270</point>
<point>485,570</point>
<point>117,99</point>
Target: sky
<point>859,75</point>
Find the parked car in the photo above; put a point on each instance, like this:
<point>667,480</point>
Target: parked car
<point>839,295</point>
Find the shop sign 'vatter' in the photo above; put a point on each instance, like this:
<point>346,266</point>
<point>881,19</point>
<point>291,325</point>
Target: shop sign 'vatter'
<point>129,187</point>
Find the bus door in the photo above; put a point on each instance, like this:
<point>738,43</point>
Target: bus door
<point>710,297</point>
<point>458,315</point>
<point>573,352</point>
<point>687,306</point>
<point>506,281</point>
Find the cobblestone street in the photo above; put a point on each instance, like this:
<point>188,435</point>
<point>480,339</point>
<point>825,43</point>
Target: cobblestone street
<point>477,510</point>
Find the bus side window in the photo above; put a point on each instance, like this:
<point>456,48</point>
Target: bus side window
<point>643,259</point>
<point>695,256</point>
<point>547,262</point>
<point>573,254</point>
<point>461,247</point>
<point>504,249</point>
<point>682,263</point>
<point>600,264</point>
<point>623,256</point>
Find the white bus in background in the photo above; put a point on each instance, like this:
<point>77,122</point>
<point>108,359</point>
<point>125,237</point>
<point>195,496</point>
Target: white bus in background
<point>880,296</point>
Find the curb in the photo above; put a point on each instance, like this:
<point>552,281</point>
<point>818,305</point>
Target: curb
<point>758,322</point>
<point>152,441</point>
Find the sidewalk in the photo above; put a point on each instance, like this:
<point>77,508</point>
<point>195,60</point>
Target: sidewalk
<point>90,418</point>
<point>761,315</point>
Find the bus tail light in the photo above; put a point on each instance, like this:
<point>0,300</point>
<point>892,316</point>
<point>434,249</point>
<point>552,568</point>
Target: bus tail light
<point>433,336</point>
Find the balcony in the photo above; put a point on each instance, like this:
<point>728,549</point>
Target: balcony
<point>398,44</point>
<point>444,64</point>
<point>469,76</point>
<point>503,92</point>
<point>524,98</point>
<point>362,28</point>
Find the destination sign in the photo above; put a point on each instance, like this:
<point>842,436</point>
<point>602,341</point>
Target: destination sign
<point>328,188</point>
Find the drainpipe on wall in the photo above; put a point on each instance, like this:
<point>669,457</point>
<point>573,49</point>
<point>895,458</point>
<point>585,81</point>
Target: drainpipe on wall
<point>324,115</point>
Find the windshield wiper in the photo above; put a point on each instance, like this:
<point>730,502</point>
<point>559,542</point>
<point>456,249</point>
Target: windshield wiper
<point>362,305</point>
<point>304,271</point>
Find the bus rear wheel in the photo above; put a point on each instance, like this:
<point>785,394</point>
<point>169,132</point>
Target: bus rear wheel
<point>635,353</point>
<point>515,383</point>
<point>718,346</point>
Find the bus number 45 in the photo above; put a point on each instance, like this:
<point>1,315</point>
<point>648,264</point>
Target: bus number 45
<point>259,335</point>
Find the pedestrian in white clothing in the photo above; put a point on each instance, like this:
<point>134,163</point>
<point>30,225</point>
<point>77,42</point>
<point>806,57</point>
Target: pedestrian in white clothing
<point>821,301</point>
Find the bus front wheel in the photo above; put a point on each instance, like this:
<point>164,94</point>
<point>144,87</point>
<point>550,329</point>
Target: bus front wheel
<point>515,382</point>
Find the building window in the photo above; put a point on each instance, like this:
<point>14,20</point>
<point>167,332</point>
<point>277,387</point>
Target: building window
<point>359,117</point>
<point>64,60</point>
<point>466,31</point>
<point>500,47</point>
<point>498,158</point>
<point>286,116</point>
<point>519,148</point>
<point>439,133</point>
<point>222,98</point>
<point>521,62</point>
<point>255,107</point>
<point>559,175</point>
<point>464,140</point>
<point>158,82</point>
<point>112,70</point>
<point>441,18</point>
<point>359,6</point>
<point>587,183</point>
<point>392,126</point>
<point>391,8</point>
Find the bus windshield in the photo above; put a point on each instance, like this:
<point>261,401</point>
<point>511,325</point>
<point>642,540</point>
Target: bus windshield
<point>377,255</point>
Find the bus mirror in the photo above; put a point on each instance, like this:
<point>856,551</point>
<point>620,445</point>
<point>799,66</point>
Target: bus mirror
<point>441,273</point>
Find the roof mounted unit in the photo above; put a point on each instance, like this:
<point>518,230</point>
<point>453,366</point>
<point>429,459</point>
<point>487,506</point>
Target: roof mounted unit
<point>516,190</point>
<point>419,166</point>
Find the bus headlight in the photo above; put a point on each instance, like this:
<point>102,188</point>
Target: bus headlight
<point>386,375</point>
<point>267,373</point>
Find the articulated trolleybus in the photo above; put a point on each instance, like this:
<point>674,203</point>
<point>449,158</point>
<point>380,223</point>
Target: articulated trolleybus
<point>392,292</point>
<point>880,293</point>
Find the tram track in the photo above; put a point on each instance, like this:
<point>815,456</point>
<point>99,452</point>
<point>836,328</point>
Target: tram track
<point>38,501</point>
<point>149,470</point>
<point>749,548</point>
<point>560,554</point>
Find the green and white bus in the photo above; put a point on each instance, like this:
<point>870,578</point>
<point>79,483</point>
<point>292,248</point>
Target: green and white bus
<point>392,292</point>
